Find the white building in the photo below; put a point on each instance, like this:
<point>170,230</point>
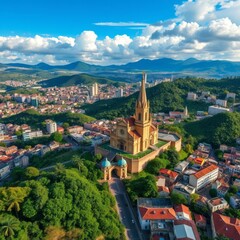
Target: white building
<point>51,126</point>
<point>204,176</point>
<point>222,103</point>
<point>94,90</point>
<point>119,93</point>
<point>191,96</point>
<point>212,110</point>
<point>217,203</point>
<point>31,135</point>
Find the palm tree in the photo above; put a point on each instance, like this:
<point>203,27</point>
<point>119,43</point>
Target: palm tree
<point>8,225</point>
<point>13,196</point>
<point>78,162</point>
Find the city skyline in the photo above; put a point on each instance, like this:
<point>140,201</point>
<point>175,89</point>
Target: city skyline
<point>107,33</point>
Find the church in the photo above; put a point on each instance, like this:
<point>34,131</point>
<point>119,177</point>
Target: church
<point>136,133</point>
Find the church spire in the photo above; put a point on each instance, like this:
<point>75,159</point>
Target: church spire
<point>142,98</point>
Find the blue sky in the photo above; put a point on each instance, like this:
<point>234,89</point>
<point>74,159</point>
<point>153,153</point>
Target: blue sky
<point>61,17</point>
<point>116,32</point>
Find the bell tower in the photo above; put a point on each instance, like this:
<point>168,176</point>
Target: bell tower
<point>142,116</point>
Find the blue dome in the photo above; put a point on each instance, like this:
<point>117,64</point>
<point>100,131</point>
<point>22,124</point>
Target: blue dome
<point>105,163</point>
<point>122,162</point>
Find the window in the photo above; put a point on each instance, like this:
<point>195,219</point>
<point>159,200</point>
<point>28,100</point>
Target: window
<point>146,116</point>
<point>139,117</point>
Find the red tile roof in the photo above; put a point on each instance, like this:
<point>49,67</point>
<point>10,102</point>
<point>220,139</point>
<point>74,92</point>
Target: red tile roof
<point>157,213</point>
<point>182,208</point>
<point>205,171</point>
<point>163,189</point>
<point>168,172</point>
<point>134,134</point>
<point>200,218</point>
<point>226,226</point>
<point>130,121</point>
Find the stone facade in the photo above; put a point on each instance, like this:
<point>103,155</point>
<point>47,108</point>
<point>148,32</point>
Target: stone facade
<point>137,133</point>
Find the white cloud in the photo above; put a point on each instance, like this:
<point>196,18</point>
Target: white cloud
<point>205,29</point>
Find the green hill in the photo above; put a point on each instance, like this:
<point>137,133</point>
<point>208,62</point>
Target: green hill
<point>222,128</point>
<point>34,119</point>
<point>165,97</point>
<point>86,79</point>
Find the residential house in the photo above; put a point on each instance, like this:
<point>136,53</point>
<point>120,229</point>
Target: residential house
<point>184,189</point>
<point>200,220</point>
<point>163,191</point>
<point>217,203</point>
<point>185,229</point>
<point>235,201</point>
<point>225,226</point>
<point>181,166</point>
<point>170,175</point>
<point>150,209</point>
<point>182,212</point>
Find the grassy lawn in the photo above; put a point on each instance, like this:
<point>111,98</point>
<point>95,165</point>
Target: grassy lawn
<point>124,154</point>
<point>182,155</point>
<point>160,144</point>
<point>138,155</point>
<point>53,157</point>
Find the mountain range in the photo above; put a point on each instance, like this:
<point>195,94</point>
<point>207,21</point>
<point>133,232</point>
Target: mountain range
<point>191,66</point>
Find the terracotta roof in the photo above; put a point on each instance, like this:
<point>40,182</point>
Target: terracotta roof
<point>130,121</point>
<point>199,218</point>
<point>205,171</point>
<point>168,172</point>
<point>134,134</point>
<point>163,189</point>
<point>182,208</point>
<point>226,226</point>
<point>152,128</point>
<point>157,213</point>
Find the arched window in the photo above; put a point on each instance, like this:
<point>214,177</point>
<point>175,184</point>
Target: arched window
<point>146,116</point>
<point>139,117</point>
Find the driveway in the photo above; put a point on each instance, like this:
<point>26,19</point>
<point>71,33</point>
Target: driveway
<point>133,232</point>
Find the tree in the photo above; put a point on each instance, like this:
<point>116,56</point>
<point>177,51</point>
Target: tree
<point>56,136</point>
<point>8,225</point>
<point>31,172</point>
<point>213,192</point>
<point>194,197</point>
<point>189,148</point>
<point>3,144</point>
<point>178,198</point>
<point>233,189</point>
<point>155,165</point>
<point>13,196</point>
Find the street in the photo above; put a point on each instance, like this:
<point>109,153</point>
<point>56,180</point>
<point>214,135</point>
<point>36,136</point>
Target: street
<point>127,217</point>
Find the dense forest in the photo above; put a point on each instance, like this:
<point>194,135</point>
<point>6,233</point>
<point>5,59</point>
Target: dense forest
<point>222,128</point>
<point>86,79</point>
<point>35,119</point>
<point>62,204</point>
<point>166,97</point>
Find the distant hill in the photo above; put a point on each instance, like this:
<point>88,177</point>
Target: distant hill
<point>165,97</point>
<point>191,66</point>
<point>33,118</point>
<point>222,128</point>
<point>86,79</point>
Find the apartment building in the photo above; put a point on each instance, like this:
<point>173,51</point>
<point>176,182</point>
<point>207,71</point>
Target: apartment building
<point>204,176</point>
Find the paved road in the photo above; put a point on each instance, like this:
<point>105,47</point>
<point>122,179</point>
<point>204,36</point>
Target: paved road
<point>125,210</point>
